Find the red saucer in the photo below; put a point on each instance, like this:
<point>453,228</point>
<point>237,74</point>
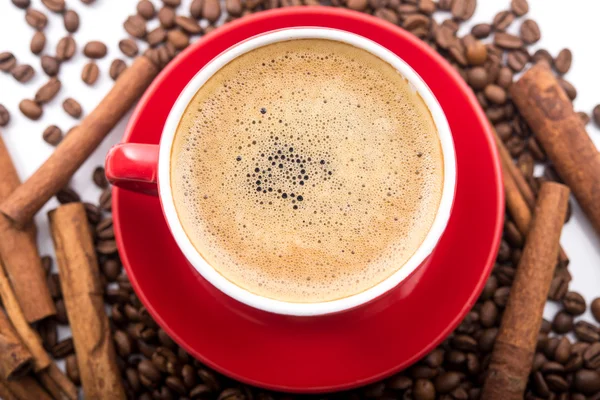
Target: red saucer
<point>333,352</point>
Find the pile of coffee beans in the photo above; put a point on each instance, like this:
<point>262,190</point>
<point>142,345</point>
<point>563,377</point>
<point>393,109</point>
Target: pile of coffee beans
<point>567,361</point>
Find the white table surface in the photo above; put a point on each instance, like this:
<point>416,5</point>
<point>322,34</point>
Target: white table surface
<point>562,26</point>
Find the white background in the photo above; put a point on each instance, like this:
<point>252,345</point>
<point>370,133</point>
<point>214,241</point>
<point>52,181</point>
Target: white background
<point>575,26</point>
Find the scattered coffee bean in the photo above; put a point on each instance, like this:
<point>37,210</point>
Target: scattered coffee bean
<point>116,68</point>
<point>63,348</point>
<point>48,91</point>
<point>65,49</point>
<point>166,17</point>
<point>562,322</point>
<point>586,332</point>
<point>507,41</point>
<point>38,42</point>
<point>67,195</point>
<point>23,73</point>
<point>56,6</point>
<point>188,25</point>
<point>178,39</point>
<point>52,135</point>
<point>586,381</point>
<point>36,19</point>
<point>72,107</point>
<point>530,31</point>
<point>30,109</point>
<point>519,7</point>
<point>61,312</point>
<point>71,21</point>
<point>595,307</point>
<point>99,178</point>
<point>135,25</point>
<point>463,9</point>
<point>562,62</point>
<point>584,117</point>
<point>196,8</point>
<point>476,53</point>
<point>542,55</point>
<point>517,60</point>
<point>574,303</point>
<point>50,65</point>
<point>568,88</point>
<point>211,10</point>
<point>145,9</point>
<point>495,94</point>
<point>481,31</point>
<point>128,47</point>
<point>7,61</point>
<point>156,36</point>
<point>591,356</point>
<point>23,4</point>
<point>502,20</point>
<point>234,7</point>
<point>4,116</point>
<point>90,73</point>
<point>95,49</point>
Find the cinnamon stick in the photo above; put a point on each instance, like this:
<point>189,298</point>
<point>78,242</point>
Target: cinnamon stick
<point>19,253</point>
<point>26,388</point>
<point>515,345</point>
<point>82,292</point>
<point>561,132</point>
<point>15,360</point>
<point>520,199</point>
<point>76,147</point>
<point>57,383</point>
<point>30,338</point>
<point>5,393</point>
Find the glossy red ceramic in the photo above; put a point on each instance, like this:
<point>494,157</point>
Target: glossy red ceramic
<point>339,351</point>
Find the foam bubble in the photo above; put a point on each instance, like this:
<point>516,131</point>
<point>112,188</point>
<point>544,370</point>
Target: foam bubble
<point>307,171</point>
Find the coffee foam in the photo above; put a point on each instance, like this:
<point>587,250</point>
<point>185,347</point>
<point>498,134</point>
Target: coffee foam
<point>307,171</point>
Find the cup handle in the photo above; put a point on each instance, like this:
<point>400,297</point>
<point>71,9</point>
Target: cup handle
<point>133,166</point>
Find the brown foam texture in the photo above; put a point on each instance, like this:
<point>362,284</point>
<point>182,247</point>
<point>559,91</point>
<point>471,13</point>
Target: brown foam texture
<point>307,171</point>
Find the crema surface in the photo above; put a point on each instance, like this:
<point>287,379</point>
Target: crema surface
<point>307,171</point>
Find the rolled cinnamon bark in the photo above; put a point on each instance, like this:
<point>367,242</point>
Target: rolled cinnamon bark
<point>15,359</point>
<point>19,253</point>
<point>559,129</point>
<point>57,383</point>
<point>26,388</point>
<point>29,337</point>
<point>82,293</point>
<point>77,146</point>
<point>515,345</point>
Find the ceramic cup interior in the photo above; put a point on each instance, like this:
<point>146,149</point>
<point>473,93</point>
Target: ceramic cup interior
<point>305,309</point>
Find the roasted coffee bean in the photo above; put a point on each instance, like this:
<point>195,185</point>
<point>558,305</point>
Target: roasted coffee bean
<point>517,60</point>
<point>502,20</point>
<point>106,199</point>
<point>552,367</point>
<point>519,7</point>
<point>71,21</point>
<point>123,343</point>
<point>562,322</point>
<point>146,9</point>
<point>23,73</point>
<point>116,68</point>
<point>455,357</point>
<point>196,7</point>
<point>501,296</point>
<point>542,55</point>
<point>574,303</point>
<point>464,343</point>
<point>50,65</point>
<point>481,31</point>
<point>546,326</point>
<point>574,362</point>
<point>423,372</point>
<point>48,332</point>
<point>52,135</point>
<point>447,382</point>
<point>211,10</point>
<point>172,3</point>
<point>586,381</point>
<point>584,118</point>
<point>487,339</point>
<point>495,94</point>
<point>591,356</point>
<point>106,247</point>
<point>477,78</point>
<point>56,6</point>
<point>435,358</point>
<point>558,288</point>
<point>568,88</point>
<point>90,73</point>
<point>188,25</point>
<point>423,390</point>
<point>166,16</point>
<point>563,350</point>
<point>490,287</point>
<point>128,47</point>
<point>38,42</point>
<point>23,4</point>
<point>149,371</point>
<point>503,252</point>
<point>30,109</point>
<point>538,360</point>
<point>72,107</point>
<point>463,9</point>
<point>488,314</point>
<point>507,41</point>
<point>65,49</point>
<point>4,116</point>
<point>557,383</point>
<point>156,36</point>
<point>95,49</point>
<point>539,385</point>
<point>7,61</point>
<point>92,212</point>
<point>36,19</point>
<point>476,53</point>
<point>586,332</point>
<point>178,39</point>
<point>596,115</point>
<point>505,78</point>
<point>579,348</point>
<point>111,270</point>
<point>67,195</point>
<point>99,178</point>
<point>525,164</point>
<point>135,25</point>
<point>530,31</point>
<point>48,91</point>
<point>562,62</point>
<point>72,369</point>
<point>62,348</point>
<point>54,288</point>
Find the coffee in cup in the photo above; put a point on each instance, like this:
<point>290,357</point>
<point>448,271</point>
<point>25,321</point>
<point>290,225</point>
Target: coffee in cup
<point>307,170</point>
